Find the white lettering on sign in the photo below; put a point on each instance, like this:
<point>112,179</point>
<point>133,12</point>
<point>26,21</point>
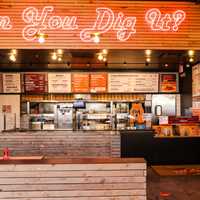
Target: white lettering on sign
<point>5,23</point>
<point>166,22</point>
<point>37,23</point>
<point>106,21</point>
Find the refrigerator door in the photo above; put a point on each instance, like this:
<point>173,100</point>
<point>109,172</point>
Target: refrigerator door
<point>64,116</point>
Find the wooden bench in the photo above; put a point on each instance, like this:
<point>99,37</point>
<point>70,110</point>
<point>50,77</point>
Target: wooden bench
<point>73,179</point>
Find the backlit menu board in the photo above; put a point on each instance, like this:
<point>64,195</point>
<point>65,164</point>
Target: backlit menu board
<point>80,83</point>
<point>11,83</point>
<point>98,82</point>
<point>59,82</point>
<point>133,82</point>
<point>196,81</point>
<point>35,82</point>
<point>168,82</point>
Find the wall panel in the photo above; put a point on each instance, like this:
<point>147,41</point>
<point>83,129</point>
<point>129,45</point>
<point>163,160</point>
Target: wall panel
<point>186,37</point>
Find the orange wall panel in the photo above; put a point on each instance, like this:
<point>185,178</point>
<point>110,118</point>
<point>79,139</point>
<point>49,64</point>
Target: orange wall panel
<point>26,22</point>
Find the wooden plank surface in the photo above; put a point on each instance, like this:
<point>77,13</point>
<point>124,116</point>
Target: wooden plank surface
<point>61,143</point>
<point>187,37</point>
<point>124,180</point>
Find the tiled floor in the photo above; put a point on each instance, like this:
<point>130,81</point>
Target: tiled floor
<point>180,187</point>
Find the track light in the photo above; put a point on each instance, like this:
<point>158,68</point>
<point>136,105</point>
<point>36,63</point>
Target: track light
<point>59,51</point>
<point>12,57</point>
<point>191,53</point>
<point>41,37</point>
<point>54,56</point>
<point>60,59</point>
<point>191,60</point>
<point>100,57</point>
<point>148,60</point>
<point>148,52</point>
<point>96,37</point>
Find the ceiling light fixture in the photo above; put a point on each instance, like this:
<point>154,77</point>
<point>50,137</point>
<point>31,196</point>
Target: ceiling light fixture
<point>14,51</point>
<point>54,56</point>
<point>191,53</point>
<point>100,57</point>
<point>12,57</point>
<point>148,60</point>
<point>105,51</point>
<point>104,59</point>
<point>41,37</point>
<point>59,51</point>
<point>60,59</point>
<point>191,60</point>
<point>148,52</point>
<point>96,37</point>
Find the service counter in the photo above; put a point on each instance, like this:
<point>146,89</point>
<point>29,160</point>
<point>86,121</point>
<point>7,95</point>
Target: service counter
<point>160,150</point>
<point>59,179</point>
<point>62,143</point>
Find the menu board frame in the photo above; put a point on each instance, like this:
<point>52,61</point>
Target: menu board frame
<point>155,90</point>
<point>75,90</point>
<point>16,82</point>
<point>45,74</point>
<point>160,82</point>
<point>99,88</point>
<point>60,83</point>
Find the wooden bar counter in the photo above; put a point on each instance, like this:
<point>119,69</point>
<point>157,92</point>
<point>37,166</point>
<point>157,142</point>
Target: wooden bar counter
<point>70,144</point>
<point>73,179</point>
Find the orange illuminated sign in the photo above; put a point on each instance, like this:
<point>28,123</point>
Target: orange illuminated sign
<point>41,20</point>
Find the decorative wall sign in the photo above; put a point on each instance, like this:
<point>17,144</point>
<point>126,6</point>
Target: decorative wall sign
<point>139,25</point>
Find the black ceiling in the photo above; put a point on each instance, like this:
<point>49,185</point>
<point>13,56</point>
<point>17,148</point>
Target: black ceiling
<point>40,60</point>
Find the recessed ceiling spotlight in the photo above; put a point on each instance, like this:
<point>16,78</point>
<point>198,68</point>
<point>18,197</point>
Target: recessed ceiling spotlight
<point>41,37</point>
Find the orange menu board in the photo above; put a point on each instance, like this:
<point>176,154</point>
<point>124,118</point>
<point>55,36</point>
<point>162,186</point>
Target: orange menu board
<point>80,83</point>
<point>98,82</point>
